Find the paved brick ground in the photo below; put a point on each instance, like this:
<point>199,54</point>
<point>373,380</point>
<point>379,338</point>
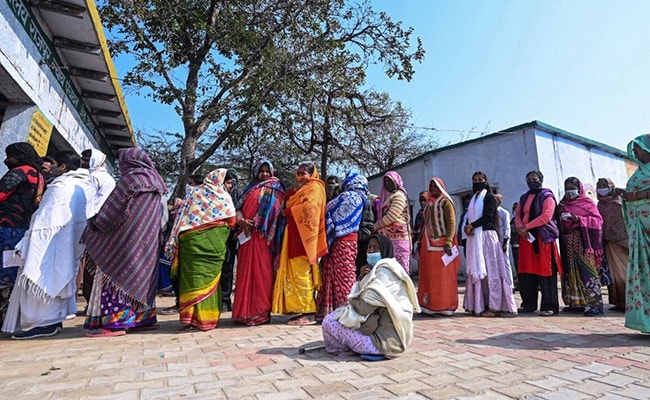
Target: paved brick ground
<point>528,357</point>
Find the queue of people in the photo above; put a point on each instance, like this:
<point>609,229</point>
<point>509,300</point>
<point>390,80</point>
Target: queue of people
<point>329,252</point>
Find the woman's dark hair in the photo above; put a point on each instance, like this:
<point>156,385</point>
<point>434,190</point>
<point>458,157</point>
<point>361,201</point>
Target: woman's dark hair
<point>572,180</point>
<point>484,176</point>
<point>69,158</point>
<point>308,166</point>
<point>538,173</point>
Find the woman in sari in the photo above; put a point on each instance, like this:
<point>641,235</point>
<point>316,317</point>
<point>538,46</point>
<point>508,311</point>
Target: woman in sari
<point>122,243</point>
<point>395,219</point>
<point>615,243</point>
<point>258,218</point>
<point>378,320</point>
<point>489,281</point>
<point>342,217</point>
<point>581,237</point>
<point>303,243</point>
<point>198,245</point>
<point>437,283</point>
<point>636,211</point>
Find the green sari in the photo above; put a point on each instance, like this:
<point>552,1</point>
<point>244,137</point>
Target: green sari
<point>637,221</point>
<point>200,259</point>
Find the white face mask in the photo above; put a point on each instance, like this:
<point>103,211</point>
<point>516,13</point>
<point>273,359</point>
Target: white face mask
<point>603,192</point>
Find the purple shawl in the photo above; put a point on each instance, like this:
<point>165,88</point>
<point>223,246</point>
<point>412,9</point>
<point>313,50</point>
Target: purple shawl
<point>123,239</point>
<point>546,233</point>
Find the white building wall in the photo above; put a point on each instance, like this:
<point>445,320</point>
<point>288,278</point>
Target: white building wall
<point>20,58</point>
<point>561,158</point>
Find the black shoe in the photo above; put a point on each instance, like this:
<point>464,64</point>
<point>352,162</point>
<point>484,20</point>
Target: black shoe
<point>39,331</point>
<point>573,309</point>
<point>522,310</point>
<point>226,305</point>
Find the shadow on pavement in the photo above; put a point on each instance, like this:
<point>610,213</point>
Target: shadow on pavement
<point>554,341</point>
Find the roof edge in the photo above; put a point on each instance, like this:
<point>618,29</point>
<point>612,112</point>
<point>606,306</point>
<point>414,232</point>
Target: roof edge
<point>99,29</point>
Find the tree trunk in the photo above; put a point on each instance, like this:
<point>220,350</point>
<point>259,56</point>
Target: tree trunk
<point>187,155</point>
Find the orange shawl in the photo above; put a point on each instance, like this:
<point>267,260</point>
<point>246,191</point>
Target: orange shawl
<point>308,210</point>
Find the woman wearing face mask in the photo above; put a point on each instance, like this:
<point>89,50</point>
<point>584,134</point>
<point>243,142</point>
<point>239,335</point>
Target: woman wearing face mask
<point>395,219</point>
<point>581,238</point>
<point>21,189</point>
<point>378,320</point>
<point>489,282</point>
<point>303,243</point>
<point>539,258</point>
<point>615,241</point>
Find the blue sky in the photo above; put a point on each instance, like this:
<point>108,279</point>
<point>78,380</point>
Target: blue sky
<point>582,66</point>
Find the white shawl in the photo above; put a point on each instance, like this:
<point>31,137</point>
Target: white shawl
<point>476,269</point>
<point>50,249</point>
<point>386,285</point>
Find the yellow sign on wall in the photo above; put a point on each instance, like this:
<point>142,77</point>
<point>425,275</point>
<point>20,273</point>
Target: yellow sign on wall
<point>40,131</point>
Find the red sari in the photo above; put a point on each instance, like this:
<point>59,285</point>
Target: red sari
<point>254,286</point>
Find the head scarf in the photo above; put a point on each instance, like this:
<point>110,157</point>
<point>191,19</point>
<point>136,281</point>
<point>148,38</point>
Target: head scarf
<point>590,221</point>
<point>97,160</point>
<point>205,203</point>
<point>343,213</point>
<point>269,202</point>
<point>385,194</point>
<point>308,209</point>
<point>643,141</point>
<point>25,154</point>
<point>611,209</point>
<point>385,245</point>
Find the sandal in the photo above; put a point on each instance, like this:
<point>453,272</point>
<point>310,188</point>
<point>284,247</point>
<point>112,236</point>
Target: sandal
<point>169,311</point>
<point>301,321</point>
<point>103,332</point>
<point>188,329</point>
<point>144,328</point>
<point>489,314</point>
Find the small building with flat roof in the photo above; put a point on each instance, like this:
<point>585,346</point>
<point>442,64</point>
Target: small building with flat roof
<point>58,85</point>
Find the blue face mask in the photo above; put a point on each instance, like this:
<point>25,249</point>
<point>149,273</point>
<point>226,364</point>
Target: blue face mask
<point>373,258</point>
<point>572,194</point>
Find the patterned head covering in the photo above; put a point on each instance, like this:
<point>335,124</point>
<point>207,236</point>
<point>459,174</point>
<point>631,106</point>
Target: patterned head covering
<point>270,198</point>
<point>399,185</point>
<point>205,203</point>
<point>343,213</point>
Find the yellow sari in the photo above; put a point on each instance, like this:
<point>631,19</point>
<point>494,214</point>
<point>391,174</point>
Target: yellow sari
<point>298,277</point>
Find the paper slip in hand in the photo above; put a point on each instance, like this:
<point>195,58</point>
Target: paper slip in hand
<point>243,238</point>
<point>446,259</point>
<point>530,237</point>
<point>11,258</point>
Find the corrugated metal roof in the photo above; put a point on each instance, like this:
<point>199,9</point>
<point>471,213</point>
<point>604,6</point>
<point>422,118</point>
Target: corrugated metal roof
<point>78,37</point>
